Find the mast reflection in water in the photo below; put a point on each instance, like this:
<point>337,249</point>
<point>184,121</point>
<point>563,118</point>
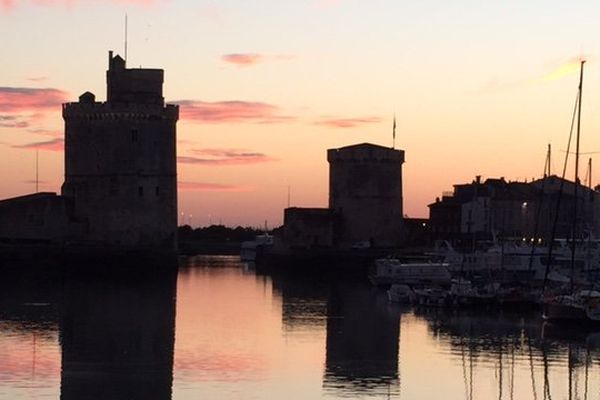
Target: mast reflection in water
<point>239,333</point>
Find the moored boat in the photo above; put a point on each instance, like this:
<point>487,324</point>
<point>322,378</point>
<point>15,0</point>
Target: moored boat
<point>388,271</point>
<point>583,306</point>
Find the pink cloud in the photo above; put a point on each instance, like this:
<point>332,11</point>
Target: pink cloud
<point>17,99</point>
<point>242,60</point>
<point>13,121</point>
<point>46,132</point>
<point>248,59</point>
<point>7,4</point>
<point>347,122</point>
<point>230,111</point>
<point>210,187</point>
<point>225,157</point>
<point>51,145</point>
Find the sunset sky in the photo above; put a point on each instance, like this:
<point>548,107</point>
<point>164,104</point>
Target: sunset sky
<point>266,87</point>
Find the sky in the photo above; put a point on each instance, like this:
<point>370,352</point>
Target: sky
<point>266,87</point>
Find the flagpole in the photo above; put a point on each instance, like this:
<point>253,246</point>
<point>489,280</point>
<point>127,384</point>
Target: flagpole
<point>394,133</point>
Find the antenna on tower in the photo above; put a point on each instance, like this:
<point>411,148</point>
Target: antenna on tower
<point>125,39</point>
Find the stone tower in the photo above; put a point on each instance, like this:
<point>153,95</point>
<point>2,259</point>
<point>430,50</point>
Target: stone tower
<point>365,189</point>
<point>120,161</point>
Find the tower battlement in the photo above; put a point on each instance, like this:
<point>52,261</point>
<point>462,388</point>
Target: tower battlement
<point>99,111</point>
<point>133,85</point>
<point>365,152</point>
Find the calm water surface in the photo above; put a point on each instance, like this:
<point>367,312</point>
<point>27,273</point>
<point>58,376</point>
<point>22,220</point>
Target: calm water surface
<point>220,330</point>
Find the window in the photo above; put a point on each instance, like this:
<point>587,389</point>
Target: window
<point>141,191</point>
<point>134,135</point>
<point>157,191</point>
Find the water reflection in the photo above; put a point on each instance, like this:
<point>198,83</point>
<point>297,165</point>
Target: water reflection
<point>521,355</point>
<point>304,301</point>
<point>117,337</point>
<point>29,354</point>
<point>261,335</point>
<point>361,330</point>
<point>30,301</point>
<point>362,340</point>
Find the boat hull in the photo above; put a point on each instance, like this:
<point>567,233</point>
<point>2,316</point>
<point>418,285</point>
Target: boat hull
<point>558,312</point>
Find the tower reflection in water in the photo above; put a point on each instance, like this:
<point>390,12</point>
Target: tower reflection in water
<point>117,336</point>
<point>362,331</point>
<point>362,340</point>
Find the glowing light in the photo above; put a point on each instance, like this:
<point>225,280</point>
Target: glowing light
<point>569,68</point>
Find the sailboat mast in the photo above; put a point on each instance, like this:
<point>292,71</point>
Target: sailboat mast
<point>576,181</point>
<point>578,126</point>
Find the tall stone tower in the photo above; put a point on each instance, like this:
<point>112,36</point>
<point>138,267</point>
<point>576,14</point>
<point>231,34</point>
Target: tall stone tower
<point>120,161</point>
<point>365,189</point>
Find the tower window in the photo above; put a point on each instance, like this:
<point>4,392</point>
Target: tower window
<point>134,135</point>
<point>141,191</point>
<point>157,191</point>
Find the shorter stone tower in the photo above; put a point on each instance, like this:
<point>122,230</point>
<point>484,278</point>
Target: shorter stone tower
<point>120,161</point>
<point>365,189</point>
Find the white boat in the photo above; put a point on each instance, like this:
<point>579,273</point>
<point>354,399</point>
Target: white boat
<point>388,271</point>
<point>519,261</point>
<point>478,261</point>
<point>249,249</point>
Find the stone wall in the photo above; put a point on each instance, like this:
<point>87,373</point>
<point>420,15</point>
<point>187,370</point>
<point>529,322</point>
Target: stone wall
<point>308,227</point>
<point>36,218</point>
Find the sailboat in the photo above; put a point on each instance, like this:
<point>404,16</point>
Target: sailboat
<point>584,305</point>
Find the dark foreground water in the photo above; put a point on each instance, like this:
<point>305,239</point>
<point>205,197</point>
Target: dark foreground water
<point>219,330</point>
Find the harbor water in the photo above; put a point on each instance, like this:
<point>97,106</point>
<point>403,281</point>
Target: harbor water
<point>220,329</point>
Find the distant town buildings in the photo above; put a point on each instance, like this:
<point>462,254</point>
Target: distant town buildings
<point>496,208</point>
<point>365,203</point>
<point>120,185</point>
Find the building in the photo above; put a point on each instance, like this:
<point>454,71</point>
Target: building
<point>365,203</point>
<point>499,209</point>
<point>120,160</point>
<point>120,185</point>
